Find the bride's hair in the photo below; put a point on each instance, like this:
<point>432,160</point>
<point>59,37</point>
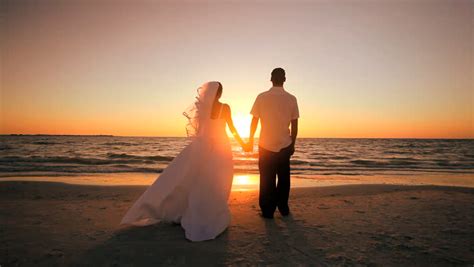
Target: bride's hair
<point>219,91</point>
<point>198,114</point>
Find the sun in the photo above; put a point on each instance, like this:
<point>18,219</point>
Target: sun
<point>242,124</point>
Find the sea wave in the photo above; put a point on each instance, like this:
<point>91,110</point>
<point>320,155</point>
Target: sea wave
<point>45,143</point>
<point>127,156</point>
<point>83,154</point>
<point>120,144</point>
<point>76,169</point>
<point>5,147</point>
<point>112,159</point>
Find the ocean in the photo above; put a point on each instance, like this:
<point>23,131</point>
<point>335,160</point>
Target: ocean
<point>23,155</point>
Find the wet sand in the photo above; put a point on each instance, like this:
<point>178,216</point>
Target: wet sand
<point>56,224</point>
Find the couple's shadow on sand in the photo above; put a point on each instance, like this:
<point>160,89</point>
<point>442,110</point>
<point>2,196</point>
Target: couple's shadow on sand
<point>265,242</point>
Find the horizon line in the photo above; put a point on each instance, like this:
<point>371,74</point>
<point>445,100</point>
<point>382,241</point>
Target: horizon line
<point>164,136</point>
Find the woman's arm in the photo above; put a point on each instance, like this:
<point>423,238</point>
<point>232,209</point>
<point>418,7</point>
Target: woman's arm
<point>230,123</point>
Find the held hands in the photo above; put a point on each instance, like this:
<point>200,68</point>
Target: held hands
<point>248,147</point>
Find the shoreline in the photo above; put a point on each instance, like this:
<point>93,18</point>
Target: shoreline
<point>250,181</point>
<point>51,223</point>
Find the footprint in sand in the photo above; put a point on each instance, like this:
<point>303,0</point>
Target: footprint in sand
<point>55,253</point>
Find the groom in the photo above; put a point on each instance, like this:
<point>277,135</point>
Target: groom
<point>276,109</point>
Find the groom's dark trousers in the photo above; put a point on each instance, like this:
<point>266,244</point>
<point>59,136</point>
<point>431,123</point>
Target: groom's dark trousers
<point>274,194</point>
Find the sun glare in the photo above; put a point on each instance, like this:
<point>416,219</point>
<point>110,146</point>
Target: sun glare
<point>241,180</point>
<point>242,124</point>
<point>245,182</point>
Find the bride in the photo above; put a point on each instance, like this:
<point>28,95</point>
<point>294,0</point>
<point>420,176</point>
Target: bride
<point>194,188</point>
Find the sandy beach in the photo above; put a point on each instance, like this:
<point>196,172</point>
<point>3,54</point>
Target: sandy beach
<point>56,224</point>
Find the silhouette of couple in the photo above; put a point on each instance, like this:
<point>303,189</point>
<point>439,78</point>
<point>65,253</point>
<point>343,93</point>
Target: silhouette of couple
<point>193,190</point>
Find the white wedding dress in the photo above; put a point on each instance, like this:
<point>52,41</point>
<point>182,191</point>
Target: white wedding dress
<point>193,190</point>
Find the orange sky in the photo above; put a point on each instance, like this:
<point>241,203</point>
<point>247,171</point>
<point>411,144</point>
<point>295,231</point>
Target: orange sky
<point>358,68</point>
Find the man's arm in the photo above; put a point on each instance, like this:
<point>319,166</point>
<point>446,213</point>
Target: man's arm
<point>294,133</point>
<point>253,129</point>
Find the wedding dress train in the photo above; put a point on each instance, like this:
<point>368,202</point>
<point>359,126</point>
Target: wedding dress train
<point>193,190</point>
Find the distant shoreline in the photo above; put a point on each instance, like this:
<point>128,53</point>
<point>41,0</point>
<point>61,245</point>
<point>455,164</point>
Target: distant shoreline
<point>88,135</point>
<point>139,136</point>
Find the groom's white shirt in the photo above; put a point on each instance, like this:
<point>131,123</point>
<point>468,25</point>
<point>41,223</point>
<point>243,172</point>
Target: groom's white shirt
<point>275,108</point>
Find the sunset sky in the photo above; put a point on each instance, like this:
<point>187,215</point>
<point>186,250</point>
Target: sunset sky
<point>358,68</point>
